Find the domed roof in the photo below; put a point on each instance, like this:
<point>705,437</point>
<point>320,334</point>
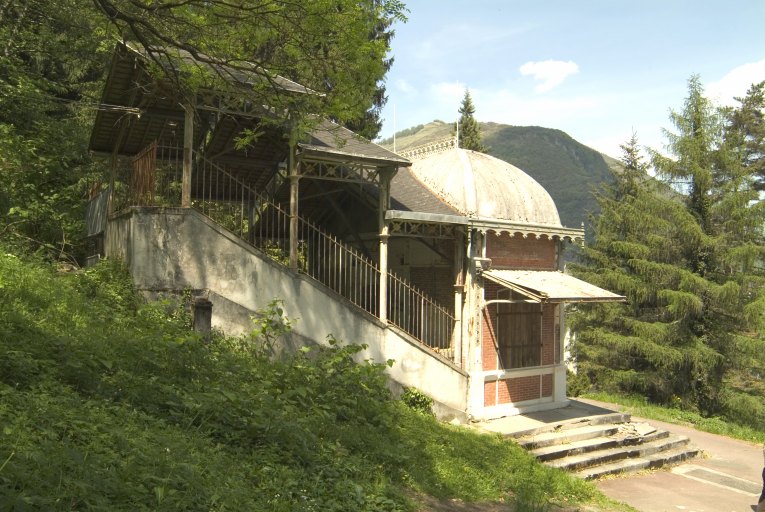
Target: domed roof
<point>479,185</point>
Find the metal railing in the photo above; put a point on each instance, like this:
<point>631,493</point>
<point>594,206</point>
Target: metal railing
<point>420,316</point>
<point>235,206</point>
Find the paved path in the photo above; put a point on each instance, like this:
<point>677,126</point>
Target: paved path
<point>725,478</point>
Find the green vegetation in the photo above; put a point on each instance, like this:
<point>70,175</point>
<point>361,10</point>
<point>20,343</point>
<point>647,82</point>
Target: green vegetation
<point>54,56</point>
<point>639,406</point>
<point>690,264</point>
<point>403,133</point>
<point>110,403</point>
<point>469,129</point>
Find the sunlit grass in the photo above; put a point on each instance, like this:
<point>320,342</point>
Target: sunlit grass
<point>639,406</point>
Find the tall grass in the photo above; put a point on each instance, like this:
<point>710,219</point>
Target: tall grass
<point>109,403</point>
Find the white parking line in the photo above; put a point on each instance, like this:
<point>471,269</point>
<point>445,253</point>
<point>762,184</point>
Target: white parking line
<point>686,468</point>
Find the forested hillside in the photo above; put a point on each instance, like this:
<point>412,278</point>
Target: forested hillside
<point>568,170</point>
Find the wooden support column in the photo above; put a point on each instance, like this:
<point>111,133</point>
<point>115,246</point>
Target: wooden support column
<point>294,182</point>
<point>459,285</point>
<point>386,175</point>
<point>188,142</point>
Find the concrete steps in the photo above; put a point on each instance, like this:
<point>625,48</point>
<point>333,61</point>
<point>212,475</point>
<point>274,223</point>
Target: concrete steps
<point>606,444</point>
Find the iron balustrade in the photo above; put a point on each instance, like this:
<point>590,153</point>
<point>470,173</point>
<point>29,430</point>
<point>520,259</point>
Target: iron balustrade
<point>420,316</point>
<point>154,179</point>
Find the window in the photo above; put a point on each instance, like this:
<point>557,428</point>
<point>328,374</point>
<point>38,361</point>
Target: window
<point>519,331</point>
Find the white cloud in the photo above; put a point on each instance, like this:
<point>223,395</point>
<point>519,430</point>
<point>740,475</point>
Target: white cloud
<point>404,86</point>
<point>448,92</point>
<point>550,72</point>
<point>736,82</point>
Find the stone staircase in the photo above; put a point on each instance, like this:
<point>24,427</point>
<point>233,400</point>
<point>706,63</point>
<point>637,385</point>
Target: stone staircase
<point>605,444</point>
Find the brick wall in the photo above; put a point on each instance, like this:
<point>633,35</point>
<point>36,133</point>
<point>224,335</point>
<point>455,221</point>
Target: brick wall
<point>517,252</point>
<point>489,355</point>
<point>489,394</point>
<point>518,389</point>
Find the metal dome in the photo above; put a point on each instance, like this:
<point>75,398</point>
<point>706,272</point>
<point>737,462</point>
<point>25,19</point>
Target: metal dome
<point>479,185</point>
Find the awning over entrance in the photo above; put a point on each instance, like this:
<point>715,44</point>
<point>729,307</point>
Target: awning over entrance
<point>550,286</point>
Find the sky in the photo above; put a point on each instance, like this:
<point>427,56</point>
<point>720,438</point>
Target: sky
<point>597,69</point>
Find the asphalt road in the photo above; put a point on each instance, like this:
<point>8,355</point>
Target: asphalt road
<point>725,478</point>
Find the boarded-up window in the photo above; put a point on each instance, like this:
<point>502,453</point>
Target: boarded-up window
<point>519,331</point>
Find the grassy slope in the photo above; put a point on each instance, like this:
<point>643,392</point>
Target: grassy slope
<point>568,170</point>
<point>638,406</point>
<point>107,403</point>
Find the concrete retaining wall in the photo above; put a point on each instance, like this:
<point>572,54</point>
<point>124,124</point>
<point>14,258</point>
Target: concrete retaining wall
<point>171,249</point>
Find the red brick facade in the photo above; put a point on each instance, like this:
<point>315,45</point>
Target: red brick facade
<point>516,252</point>
<point>517,389</point>
<point>521,253</point>
<point>489,394</point>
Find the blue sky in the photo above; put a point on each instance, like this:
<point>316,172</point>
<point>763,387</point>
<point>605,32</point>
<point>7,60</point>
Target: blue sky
<point>595,69</point>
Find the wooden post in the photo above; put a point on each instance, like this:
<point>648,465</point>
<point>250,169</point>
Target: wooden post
<point>188,142</point>
<point>459,284</point>
<point>294,182</point>
<point>386,175</point>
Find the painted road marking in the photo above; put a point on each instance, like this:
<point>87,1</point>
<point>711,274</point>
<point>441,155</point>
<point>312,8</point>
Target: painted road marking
<point>718,479</point>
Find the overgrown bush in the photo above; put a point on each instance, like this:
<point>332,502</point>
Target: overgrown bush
<point>417,401</point>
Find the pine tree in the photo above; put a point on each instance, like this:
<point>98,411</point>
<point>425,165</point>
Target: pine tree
<point>687,250</point>
<point>746,126</point>
<point>469,130</point>
<point>641,346</point>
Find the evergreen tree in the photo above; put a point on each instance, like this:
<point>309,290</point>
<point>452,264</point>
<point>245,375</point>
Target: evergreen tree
<point>640,346</point>
<point>370,123</point>
<point>469,130</point>
<point>687,251</point>
<point>746,129</point>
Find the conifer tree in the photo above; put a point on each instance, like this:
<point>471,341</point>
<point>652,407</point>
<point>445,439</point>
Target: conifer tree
<point>746,129</point>
<point>469,130</point>
<point>687,251</point>
<point>639,346</point>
